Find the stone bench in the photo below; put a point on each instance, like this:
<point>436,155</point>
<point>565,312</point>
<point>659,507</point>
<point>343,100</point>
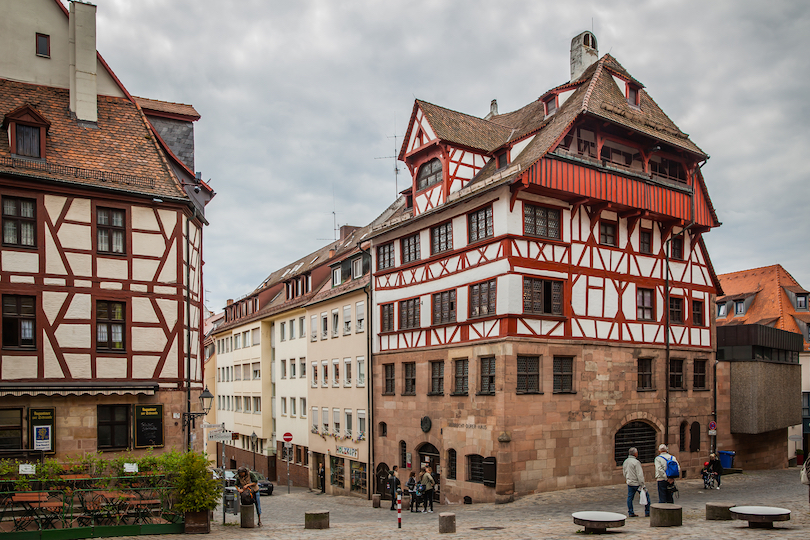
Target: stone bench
<point>316,520</point>
<point>598,522</point>
<point>760,517</point>
<point>666,515</point>
<point>718,511</point>
<point>447,522</point>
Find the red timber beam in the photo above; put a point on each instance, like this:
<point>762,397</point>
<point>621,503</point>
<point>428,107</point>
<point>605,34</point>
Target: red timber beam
<point>516,188</point>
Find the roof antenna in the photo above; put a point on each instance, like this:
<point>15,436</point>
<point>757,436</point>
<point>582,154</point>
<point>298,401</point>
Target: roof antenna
<point>394,157</point>
<point>334,219</point>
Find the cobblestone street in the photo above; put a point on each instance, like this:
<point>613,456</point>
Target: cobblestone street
<point>546,515</point>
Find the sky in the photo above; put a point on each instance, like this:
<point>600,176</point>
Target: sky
<point>300,102</point>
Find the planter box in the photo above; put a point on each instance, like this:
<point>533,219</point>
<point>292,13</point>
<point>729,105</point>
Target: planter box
<point>198,522</point>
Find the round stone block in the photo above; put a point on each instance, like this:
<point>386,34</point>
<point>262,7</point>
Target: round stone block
<point>375,500</point>
<point>718,511</point>
<point>666,515</point>
<point>760,517</point>
<point>598,522</point>
<point>246,516</point>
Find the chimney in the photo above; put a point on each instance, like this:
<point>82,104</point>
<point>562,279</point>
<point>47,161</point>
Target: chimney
<point>584,53</point>
<point>229,302</point>
<point>493,109</point>
<point>346,230</point>
<point>82,49</point>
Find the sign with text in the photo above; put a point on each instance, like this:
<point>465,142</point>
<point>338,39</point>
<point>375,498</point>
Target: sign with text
<point>220,436</point>
<point>27,468</point>
<point>148,425</point>
<point>130,467</point>
<point>41,428</point>
<point>347,451</point>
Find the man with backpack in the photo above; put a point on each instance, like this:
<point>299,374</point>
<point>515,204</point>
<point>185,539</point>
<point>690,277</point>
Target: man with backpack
<point>666,471</point>
<point>393,486</point>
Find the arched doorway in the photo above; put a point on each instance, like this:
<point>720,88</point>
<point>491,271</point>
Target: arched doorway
<point>429,456</point>
<point>380,475</point>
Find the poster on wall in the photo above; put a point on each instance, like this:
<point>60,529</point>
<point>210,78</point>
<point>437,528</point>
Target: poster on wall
<point>41,429</point>
<point>148,426</point>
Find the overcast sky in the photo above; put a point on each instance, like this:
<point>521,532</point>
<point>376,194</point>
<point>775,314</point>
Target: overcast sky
<point>300,99</point>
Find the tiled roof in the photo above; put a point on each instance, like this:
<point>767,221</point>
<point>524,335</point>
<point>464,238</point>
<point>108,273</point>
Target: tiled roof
<point>772,306</point>
<point>328,291</point>
<point>119,153</point>
<point>464,129</point>
<point>167,107</point>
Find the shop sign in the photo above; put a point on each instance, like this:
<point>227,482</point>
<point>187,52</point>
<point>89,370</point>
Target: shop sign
<point>41,424</point>
<point>347,451</point>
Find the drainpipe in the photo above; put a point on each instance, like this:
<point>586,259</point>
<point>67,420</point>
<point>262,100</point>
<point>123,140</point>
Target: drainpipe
<point>667,245</point>
<point>372,473</point>
<point>188,327</point>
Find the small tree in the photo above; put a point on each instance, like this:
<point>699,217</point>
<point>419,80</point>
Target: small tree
<point>195,489</point>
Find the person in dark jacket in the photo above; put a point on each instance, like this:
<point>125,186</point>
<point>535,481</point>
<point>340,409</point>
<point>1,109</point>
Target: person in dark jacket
<point>247,483</point>
<point>322,478</point>
<point>411,485</point>
<point>393,486</point>
<point>716,466</point>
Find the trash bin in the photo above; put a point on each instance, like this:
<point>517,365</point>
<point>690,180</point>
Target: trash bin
<point>231,500</point>
<point>726,458</point>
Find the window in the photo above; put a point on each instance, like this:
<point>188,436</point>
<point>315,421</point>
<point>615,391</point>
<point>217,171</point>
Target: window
<point>541,221</point>
<point>805,405</point>
<point>247,404</point>
<point>237,372</point>
<point>475,469</point>
<point>410,378</point>
<point>739,307</point>
<point>528,374</point>
<point>607,233</point>
<point>632,95</point>
<point>430,173</point>
<point>389,379</point>
<point>19,222</point>
<point>335,322</point>
<point>336,372</point>
<point>313,327</point>
<point>303,407</point>
<point>383,429</point>
<point>357,268</point>
<point>19,321</point>
<point>43,45</point>
<point>563,374</point>
<point>385,256</point>
<point>360,310</point>
<point>635,434</point>
<point>697,312</point>
<point>282,331</point>
<point>113,426</point>
<point>444,307</point>
<point>324,326</point>
<point>347,320</point>
<point>801,301</point>
<point>257,405</point>
<point>542,296</point>
<point>349,424</point>
<point>292,368</point>
<point>257,370</point>
<point>314,417</point>
<point>722,309</point>
<point>361,371</point>
<point>437,378</point>
<point>699,375</point>
<point>480,224</point>
<point>410,248</point>
<point>237,341</point>
<point>645,241</point>
<point>336,277</point>
<point>314,373</point>
<point>441,238</point>
<point>502,160</point>
<point>676,374</point>
<point>682,436</point>
<point>325,417</point>
<point>403,454</point>
<point>451,464</point>
<point>677,248</point>
<point>11,429</point>
<point>303,368</point>
<point>550,105</point>
<point>347,372</point>
<point>110,230</point>
<point>694,437</point>
<point>336,421</point>
<point>292,406</point>
<point>487,375</point>
<point>676,310</point>
<point>325,373</point>
<point>645,306</point>
<point>109,325</point>
<point>461,376</point>
<point>387,317</point>
<point>283,405</point>
<point>302,331</point>
<point>283,369</point>
<point>292,332</point>
<point>645,379</point>
<point>482,299</point>
<point>409,313</point>
<point>361,423</point>
<point>256,335</point>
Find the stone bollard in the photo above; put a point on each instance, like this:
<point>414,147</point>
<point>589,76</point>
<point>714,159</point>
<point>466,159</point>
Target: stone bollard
<point>246,516</point>
<point>375,500</point>
<point>447,522</point>
<point>316,520</point>
<point>718,511</point>
<point>666,515</point>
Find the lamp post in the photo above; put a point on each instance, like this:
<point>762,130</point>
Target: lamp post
<point>253,439</point>
<point>189,418</point>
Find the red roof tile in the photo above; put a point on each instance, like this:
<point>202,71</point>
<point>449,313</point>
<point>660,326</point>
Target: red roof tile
<point>167,107</point>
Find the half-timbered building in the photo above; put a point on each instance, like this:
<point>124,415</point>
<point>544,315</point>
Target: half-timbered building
<point>101,256</point>
<point>542,297</point>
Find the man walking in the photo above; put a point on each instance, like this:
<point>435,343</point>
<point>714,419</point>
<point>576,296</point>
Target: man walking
<point>634,477</point>
<point>393,486</point>
<point>664,480</point>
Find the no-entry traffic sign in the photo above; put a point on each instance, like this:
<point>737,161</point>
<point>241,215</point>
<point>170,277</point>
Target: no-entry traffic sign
<point>288,437</point>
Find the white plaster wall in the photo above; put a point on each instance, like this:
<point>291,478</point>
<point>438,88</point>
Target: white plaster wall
<point>144,269</point>
<point>169,310</point>
<point>144,218</point>
<point>53,261</point>
<point>19,367</point>
<point>148,339</point>
<point>143,366</point>
<point>52,303</point>
<point>73,236</point>
<point>80,307</point>
<point>79,365</point>
<point>79,211</point>
<point>112,268</point>
<point>54,205</point>
<point>73,336</point>
<point>52,367</point>
<point>169,272</point>
<point>142,311</point>
<point>147,244</point>
<point>20,261</point>
<point>520,147</point>
<point>111,368</point>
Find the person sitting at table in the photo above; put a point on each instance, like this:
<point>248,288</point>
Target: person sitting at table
<point>248,483</point>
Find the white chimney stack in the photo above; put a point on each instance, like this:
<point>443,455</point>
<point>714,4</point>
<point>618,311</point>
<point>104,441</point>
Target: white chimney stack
<point>584,53</point>
<point>82,45</point>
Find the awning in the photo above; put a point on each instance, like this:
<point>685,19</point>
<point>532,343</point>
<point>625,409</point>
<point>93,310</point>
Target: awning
<point>78,389</point>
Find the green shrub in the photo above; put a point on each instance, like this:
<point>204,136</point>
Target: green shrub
<point>194,487</point>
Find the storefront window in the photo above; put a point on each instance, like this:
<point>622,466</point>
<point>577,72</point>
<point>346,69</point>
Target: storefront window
<point>336,468</point>
<point>358,471</point>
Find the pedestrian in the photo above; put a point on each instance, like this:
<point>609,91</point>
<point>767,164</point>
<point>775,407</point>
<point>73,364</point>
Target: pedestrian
<point>634,477</point>
<point>247,484</point>
<point>420,489</point>
<point>322,477</point>
<point>411,485</point>
<point>805,475</point>
<point>716,467</point>
<point>429,483</point>
<point>666,482</point>
<point>393,486</point>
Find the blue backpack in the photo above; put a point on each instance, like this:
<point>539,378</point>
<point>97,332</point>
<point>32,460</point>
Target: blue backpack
<point>672,470</point>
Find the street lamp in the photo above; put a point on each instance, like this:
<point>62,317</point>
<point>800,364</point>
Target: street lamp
<point>253,439</point>
<point>189,418</point>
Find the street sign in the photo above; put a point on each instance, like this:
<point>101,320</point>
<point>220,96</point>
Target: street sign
<point>794,438</point>
<point>287,437</point>
<point>712,425</point>
<point>288,445</point>
<point>712,432</point>
<point>214,426</point>
<point>220,436</point>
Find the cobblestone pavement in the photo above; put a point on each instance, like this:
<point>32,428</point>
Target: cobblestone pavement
<point>546,515</point>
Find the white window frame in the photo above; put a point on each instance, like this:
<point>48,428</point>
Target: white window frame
<point>257,405</point>
<point>335,372</point>
<point>282,331</point>
<point>347,320</point>
<point>315,418</point>
<point>360,313</point>
<point>303,407</point>
<point>325,419</point>
<point>302,327</point>
<point>314,378</point>
<point>293,401</point>
<point>292,329</point>
<point>361,415</point>
<point>283,406</point>
<point>335,322</point>
<point>361,371</point>
<point>283,373</point>
<point>336,417</point>
<point>336,277</point>
<point>313,327</point>
<point>324,325</point>
<point>357,268</point>
<point>347,372</point>
<point>293,365</point>
<point>256,337</point>
<point>325,373</point>
<point>347,418</point>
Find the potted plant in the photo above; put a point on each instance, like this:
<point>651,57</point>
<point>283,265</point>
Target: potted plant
<point>195,492</point>
<point>799,456</point>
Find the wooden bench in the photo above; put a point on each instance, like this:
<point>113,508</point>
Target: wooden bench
<point>598,522</point>
<point>760,517</point>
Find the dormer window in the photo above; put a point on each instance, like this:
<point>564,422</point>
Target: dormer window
<point>26,132</point>
<point>550,105</point>
<point>739,307</point>
<point>722,309</point>
<point>801,301</point>
<point>633,95</point>
<point>336,277</point>
<point>430,173</point>
<point>503,160</point>
<point>43,45</point>
<point>357,268</point>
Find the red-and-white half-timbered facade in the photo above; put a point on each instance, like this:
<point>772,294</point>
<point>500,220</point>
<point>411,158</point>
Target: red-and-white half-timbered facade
<point>542,297</point>
<point>101,256</point>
